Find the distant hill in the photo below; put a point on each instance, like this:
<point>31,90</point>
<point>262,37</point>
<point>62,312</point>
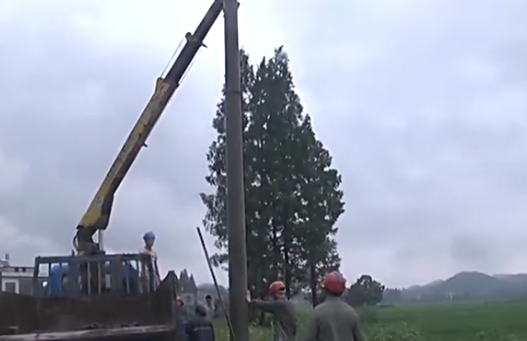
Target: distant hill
<point>463,286</point>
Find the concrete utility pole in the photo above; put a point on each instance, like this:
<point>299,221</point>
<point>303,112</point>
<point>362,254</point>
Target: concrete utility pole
<point>235,188</point>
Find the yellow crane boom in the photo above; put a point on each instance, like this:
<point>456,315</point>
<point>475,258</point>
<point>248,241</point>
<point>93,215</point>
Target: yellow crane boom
<point>97,215</point>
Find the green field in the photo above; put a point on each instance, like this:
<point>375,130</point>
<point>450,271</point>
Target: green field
<point>447,322</point>
<point>497,321</point>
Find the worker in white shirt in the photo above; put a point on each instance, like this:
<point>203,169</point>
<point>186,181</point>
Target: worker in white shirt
<point>149,239</point>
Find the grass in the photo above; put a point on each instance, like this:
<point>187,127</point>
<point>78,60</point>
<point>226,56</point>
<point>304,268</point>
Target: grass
<point>461,322</point>
<point>503,321</point>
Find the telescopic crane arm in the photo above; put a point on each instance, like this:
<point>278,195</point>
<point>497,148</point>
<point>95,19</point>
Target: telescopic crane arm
<point>98,214</point>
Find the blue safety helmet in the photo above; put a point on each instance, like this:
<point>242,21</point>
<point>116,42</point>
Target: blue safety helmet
<point>149,236</point>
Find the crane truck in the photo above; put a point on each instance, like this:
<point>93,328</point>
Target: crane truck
<point>91,295</point>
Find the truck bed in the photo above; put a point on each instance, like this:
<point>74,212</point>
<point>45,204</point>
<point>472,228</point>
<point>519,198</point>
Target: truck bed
<point>120,333</point>
<point>108,316</point>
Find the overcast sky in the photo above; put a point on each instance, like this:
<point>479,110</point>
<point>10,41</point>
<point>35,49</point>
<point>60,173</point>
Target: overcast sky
<point>423,104</point>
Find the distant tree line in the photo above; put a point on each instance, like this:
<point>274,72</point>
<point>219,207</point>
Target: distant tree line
<point>186,283</point>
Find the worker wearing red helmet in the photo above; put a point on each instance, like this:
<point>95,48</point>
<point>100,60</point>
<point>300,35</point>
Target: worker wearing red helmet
<point>282,310</point>
<point>334,319</point>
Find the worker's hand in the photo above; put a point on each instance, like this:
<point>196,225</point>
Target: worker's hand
<point>248,296</point>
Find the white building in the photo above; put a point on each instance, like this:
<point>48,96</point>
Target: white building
<point>14,278</point>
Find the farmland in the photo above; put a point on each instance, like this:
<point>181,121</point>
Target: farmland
<point>502,321</point>
<point>454,322</point>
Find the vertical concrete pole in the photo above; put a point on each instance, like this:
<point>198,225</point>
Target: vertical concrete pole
<point>235,187</point>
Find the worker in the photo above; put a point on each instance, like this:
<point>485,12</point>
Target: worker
<point>334,319</point>
<point>282,310</point>
<point>148,249</point>
<point>182,308</point>
<point>200,328</point>
<point>180,318</point>
<point>209,304</point>
<point>179,302</point>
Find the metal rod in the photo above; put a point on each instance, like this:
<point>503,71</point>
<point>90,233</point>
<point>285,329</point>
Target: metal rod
<point>101,240</point>
<point>211,269</point>
<point>235,188</point>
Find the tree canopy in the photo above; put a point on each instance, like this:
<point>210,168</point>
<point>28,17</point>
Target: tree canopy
<point>365,291</point>
<point>292,193</point>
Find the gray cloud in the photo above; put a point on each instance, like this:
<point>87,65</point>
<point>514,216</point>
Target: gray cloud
<point>428,101</point>
<point>67,108</point>
<point>422,105</point>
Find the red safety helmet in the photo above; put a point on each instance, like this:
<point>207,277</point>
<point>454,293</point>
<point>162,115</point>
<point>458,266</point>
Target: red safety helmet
<point>334,283</point>
<point>276,287</point>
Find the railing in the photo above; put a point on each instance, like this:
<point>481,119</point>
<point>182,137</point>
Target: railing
<point>95,274</point>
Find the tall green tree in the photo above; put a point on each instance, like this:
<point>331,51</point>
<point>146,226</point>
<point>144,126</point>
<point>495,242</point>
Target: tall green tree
<point>215,220</point>
<point>277,118</point>
<point>291,192</point>
<point>321,206</point>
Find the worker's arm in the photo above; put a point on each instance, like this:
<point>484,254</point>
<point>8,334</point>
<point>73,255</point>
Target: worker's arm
<point>267,306</point>
<point>156,269</point>
<point>311,331</point>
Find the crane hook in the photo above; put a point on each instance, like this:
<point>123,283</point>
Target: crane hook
<point>191,39</point>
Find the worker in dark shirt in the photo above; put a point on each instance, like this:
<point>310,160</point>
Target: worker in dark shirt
<point>334,319</point>
<point>182,308</point>
<point>200,328</point>
<point>179,302</point>
<point>180,318</point>
<point>282,310</point>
